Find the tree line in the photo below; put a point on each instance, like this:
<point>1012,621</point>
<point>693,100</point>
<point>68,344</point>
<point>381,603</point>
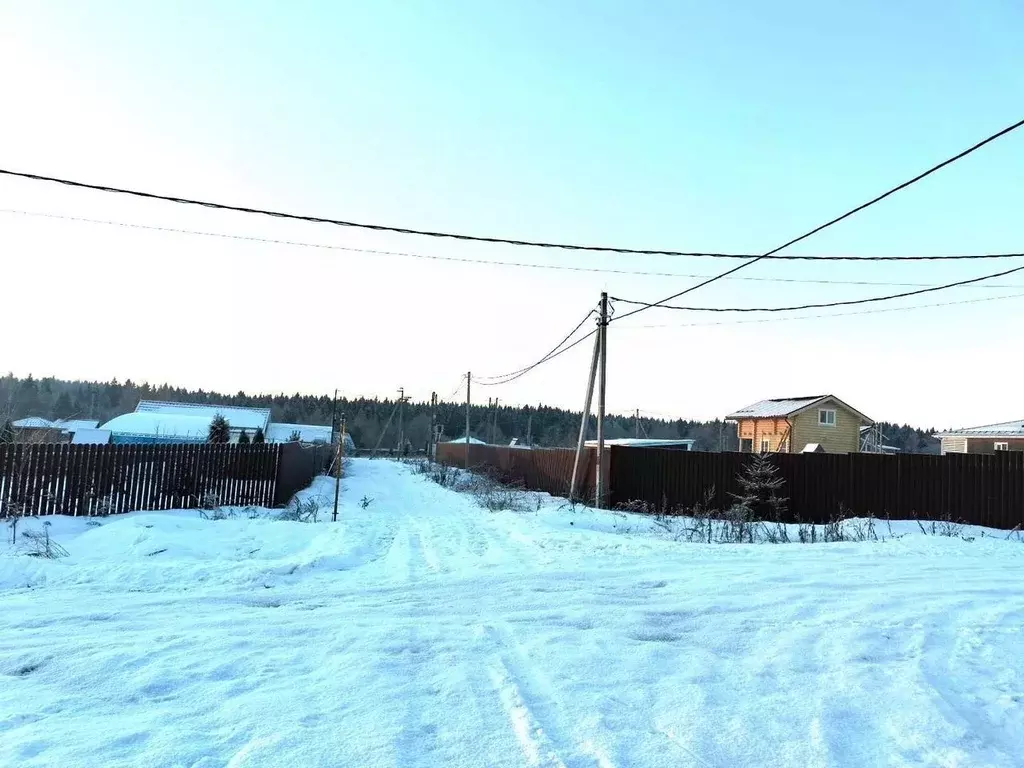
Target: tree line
<point>373,420</point>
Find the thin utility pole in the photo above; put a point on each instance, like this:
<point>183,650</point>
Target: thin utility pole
<point>575,483</point>
<point>469,383</point>
<point>401,421</point>
<point>529,428</point>
<point>637,423</point>
<point>602,388</point>
<point>340,459</point>
<point>334,417</point>
<point>433,426</point>
<point>494,422</point>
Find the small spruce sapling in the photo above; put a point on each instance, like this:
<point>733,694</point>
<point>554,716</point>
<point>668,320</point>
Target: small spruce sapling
<point>220,430</point>
<point>243,439</point>
<point>259,438</point>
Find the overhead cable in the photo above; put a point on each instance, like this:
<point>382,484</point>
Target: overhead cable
<point>527,265</point>
<point>831,222</point>
<point>824,305</point>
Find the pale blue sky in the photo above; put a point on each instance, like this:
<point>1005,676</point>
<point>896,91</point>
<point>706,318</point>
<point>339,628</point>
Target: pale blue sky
<point>721,126</point>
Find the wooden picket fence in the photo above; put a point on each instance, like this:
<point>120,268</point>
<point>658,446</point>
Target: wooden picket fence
<point>111,479</point>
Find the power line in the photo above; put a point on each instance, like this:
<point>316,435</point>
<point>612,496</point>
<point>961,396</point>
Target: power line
<point>825,305</point>
<point>823,316</point>
<point>553,353</point>
<point>539,362</point>
<point>511,241</point>
<point>836,220</point>
<point>558,267</point>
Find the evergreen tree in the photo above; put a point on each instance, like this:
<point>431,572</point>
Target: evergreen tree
<point>259,438</point>
<point>6,433</point>
<point>63,408</point>
<point>243,439</point>
<point>220,430</point>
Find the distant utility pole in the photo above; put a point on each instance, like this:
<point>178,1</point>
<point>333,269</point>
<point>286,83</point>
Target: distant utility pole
<point>637,423</point>
<point>494,422</point>
<point>334,417</point>
<point>529,429</point>
<point>340,463</point>
<point>433,426</point>
<point>469,383</point>
<point>602,388</point>
<point>401,420</point>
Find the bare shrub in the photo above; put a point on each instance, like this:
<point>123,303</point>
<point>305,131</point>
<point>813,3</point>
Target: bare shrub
<point>365,502</point>
<point>301,511</point>
<point>41,545</point>
<point>218,513</point>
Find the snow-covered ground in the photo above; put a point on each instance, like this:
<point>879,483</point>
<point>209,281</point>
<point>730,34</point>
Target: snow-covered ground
<point>420,630</point>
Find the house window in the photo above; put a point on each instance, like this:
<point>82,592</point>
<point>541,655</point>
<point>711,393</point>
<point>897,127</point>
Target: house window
<point>827,417</point>
<point>747,445</point>
<point>1002,446</point>
<point>766,445</point>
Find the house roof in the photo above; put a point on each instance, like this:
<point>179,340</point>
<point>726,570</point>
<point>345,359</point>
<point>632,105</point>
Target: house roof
<point>176,425</point>
<point>787,406</point>
<point>472,441</point>
<point>73,425</point>
<point>308,433</point>
<point>33,422</point>
<point>66,425</point>
<point>639,442</point>
<point>1005,429</point>
<point>238,418</point>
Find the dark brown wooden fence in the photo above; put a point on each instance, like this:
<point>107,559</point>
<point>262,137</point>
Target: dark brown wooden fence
<point>536,469</point>
<point>297,466</point>
<point>974,488</point>
<point>110,479</point>
<point>978,489</point>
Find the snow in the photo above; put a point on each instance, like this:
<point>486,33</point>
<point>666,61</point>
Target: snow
<point>422,630</point>
<point>160,424</point>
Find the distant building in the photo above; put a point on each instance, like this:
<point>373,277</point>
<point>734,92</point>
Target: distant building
<point>35,429</point>
<point>641,442</point>
<point>789,424</point>
<point>990,438</point>
<point>159,422</point>
<point>155,421</point>
<point>471,441</point>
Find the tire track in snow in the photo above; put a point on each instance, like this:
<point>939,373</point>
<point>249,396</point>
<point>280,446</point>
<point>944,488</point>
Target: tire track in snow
<point>533,713</point>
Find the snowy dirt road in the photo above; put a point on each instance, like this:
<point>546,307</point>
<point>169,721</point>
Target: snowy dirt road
<point>421,630</point>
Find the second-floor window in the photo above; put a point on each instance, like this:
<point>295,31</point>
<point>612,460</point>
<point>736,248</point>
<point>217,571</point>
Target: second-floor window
<point>1002,446</point>
<point>766,445</point>
<point>827,417</point>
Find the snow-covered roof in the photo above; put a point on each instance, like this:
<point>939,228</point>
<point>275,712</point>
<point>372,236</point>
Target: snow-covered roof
<point>238,418</point>
<point>308,433</point>
<point>1005,429</point>
<point>91,437</point>
<point>160,425</point>
<point>73,425</point>
<point>33,422</point>
<point>641,442</point>
<point>66,425</point>
<point>472,441</point>
<point>787,406</point>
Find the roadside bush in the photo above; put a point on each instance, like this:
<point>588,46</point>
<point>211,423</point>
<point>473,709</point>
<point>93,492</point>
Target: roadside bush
<point>41,545</point>
<point>301,511</point>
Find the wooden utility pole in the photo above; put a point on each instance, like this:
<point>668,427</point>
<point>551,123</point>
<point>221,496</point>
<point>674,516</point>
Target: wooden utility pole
<point>529,429</point>
<point>575,483</point>
<point>469,383</point>
<point>334,417</point>
<point>602,388</point>
<point>494,422</point>
<point>433,426</point>
<point>340,459</point>
<point>637,423</point>
<point>401,421</point>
